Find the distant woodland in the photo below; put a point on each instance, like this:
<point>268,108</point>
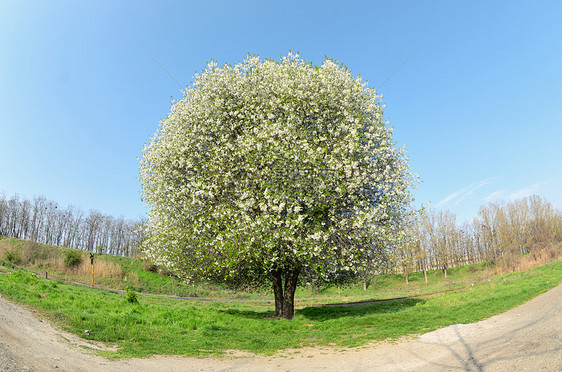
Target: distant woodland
<point>501,233</point>
<point>44,221</point>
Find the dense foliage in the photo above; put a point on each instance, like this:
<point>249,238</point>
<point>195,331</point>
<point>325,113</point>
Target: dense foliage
<point>269,170</point>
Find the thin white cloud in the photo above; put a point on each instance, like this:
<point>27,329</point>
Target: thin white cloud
<point>472,190</point>
<point>494,196</point>
<point>450,197</point>
<point>460,195</point>
<point>527,191</point>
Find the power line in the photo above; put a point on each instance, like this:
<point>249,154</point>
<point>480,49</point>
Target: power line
<point>395,71</point>
<point>166,71</point>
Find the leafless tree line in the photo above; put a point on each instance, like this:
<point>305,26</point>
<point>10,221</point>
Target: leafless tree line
<point>501,232</point>
<point>44,221</point>
<point>434,240</point>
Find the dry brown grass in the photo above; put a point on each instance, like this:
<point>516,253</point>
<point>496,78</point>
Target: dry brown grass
<point>47,257</point>
<point>132,277</point>
<point>55,262</point>
<point>101,269</point>
<point>539,255</point>
<point>4,248</point>
<point>3,252</point>
<point>29,252</point>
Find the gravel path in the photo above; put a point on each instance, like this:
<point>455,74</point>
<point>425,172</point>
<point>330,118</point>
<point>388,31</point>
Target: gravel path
<point>528,337</point>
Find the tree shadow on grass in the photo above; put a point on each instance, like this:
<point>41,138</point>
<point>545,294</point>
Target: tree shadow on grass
<point>328,312</point>
<point>250,314</point>
<point>335,311</point>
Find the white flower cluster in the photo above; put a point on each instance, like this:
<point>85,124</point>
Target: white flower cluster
<point>271,164</point>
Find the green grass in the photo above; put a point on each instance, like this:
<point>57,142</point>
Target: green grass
<point>135,275</point>
<point>167,326</point>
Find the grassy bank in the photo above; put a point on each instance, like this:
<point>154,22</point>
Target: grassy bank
<point>122,272</point>
<point>109,271</point>
<point>157,325</point>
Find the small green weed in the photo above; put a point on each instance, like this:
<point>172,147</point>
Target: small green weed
<point>131,296</point>
<point>25,276</point>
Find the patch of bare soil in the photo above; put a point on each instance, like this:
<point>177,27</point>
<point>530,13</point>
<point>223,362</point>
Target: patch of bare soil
<point>528,337</point>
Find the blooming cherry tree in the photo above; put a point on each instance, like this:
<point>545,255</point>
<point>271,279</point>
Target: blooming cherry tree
<point>273,171</point>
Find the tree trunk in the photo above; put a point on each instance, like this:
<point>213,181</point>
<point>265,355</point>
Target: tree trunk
<point>425,275</point>
<point>285,294</point>
<point>278,292</point>
<point>291,279</point>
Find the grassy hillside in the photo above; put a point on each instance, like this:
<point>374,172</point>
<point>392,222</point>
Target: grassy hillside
<point>124,272</point>
<point>142,325</point>
<point>109,271</point>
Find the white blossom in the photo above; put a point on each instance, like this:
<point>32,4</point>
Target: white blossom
<point>267,163</point>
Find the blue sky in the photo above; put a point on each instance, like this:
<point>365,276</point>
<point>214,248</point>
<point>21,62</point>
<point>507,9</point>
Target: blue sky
<point>478,105</point>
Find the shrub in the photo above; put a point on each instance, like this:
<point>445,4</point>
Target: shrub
<point>7,264</point>
<point>149,266</point>
<point>13,257</point>
<point>72,258</point>
<point>131,296</point>
<point>30,251</point>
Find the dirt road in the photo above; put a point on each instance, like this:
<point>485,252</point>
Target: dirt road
<point>528,337</point>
